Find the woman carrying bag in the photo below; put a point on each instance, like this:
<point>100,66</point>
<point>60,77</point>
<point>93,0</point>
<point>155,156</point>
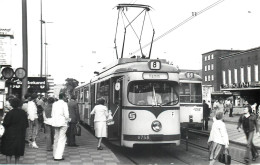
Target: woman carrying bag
<point>218,139</point>
<point>100,126</point>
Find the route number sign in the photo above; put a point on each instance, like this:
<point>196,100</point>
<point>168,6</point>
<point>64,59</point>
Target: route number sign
<point>155,65</point>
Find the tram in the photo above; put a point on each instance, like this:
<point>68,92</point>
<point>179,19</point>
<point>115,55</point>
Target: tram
<point>191,106</point>
<point>143,97</point>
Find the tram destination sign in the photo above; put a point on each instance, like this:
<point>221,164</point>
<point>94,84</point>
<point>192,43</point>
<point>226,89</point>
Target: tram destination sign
<point>158,76</point>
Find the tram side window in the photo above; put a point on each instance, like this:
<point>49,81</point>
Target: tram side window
<point>77,95</point>
<point>103,90</point>
<point>149,93</point>
<point>86,94</point>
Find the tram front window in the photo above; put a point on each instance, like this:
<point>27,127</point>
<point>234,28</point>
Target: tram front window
<point>149,93</point>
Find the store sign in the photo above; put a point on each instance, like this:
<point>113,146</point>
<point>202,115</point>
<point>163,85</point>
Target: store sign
<point>36,83</point>
<point>238,85</point>
<point>5,50</point>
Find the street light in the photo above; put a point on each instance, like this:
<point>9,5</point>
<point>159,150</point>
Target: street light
<point>45,48</point>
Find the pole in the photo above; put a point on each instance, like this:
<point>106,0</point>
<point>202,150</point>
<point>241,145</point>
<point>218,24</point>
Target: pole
<point>41,42</point>
<point>25,46</point>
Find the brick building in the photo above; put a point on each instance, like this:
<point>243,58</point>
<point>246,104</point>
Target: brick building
<point>232,72</point>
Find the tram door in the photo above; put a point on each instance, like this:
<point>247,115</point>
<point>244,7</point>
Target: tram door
<point>114,131</point>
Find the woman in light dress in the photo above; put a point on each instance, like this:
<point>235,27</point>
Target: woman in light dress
<point>101,114</point>
<point>218,139</point>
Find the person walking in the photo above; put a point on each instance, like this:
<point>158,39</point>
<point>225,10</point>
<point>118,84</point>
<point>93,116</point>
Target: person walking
<point>101,114</point>
<point>60,117</point>
<point>218,138</point>
<point>33,121</point>
<point>49,130</point>
<point>13,140</point>
<point>206,114</point>
<point>74,116</point>
<point>249,122</point>
<point>231,109</point>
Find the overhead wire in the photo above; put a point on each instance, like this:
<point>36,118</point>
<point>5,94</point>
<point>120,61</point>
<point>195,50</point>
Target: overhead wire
<point>194,14</point>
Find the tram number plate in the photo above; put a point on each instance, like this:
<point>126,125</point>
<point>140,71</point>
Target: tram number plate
<point>143,137</point>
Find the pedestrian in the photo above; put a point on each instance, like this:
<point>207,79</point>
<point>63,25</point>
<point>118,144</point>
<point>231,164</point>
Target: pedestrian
<point>254,108</point>
<point>27,97</point>
<point>101,114</point>
<point>218,139</point>
<point>231,109</point>
<point>249,122</point>
<point>218,107</point>
<point>227,106</point>
<point>60,117</point>
<point>74,116</point>
<point>49,130</point>
<point>33,121</point>
<point>206,114</point>
<point>13,140</point>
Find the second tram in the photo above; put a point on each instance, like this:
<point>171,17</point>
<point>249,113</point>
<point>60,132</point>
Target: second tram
<point>143,97</point>
<point>191,109</point>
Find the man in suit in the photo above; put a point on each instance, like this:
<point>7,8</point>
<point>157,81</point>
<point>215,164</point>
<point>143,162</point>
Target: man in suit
<point>74,116</point>
<point>206,114</point>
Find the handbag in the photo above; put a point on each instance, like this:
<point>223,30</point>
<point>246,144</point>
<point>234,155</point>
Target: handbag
<point>78,130</point>
<point>2,130</point>
<point>224,157</point>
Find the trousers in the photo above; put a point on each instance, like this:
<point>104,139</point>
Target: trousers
<point>250,145</point>
<point>59,141</point>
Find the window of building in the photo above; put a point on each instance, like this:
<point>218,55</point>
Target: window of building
<point>248,73</point>
<point>206,58</point>
<point>224,76</point>
<point>206,68</point>
<point>212,77</point>
<point>242,74</point>
<point>212,56</point>
<point>206,78</point>
<point>229,77</point>
<point>235,75</point>
<point>212,66</point>
<point>256,73</point>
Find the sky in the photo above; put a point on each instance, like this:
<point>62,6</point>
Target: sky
<point>80,33</point>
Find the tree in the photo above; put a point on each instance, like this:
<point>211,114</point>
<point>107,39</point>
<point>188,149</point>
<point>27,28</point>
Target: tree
<point>70,85</point>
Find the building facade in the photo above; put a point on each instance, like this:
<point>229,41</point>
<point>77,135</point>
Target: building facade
<point>232,72</point>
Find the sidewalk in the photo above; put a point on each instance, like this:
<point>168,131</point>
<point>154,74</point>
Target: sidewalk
<point>86,153</point>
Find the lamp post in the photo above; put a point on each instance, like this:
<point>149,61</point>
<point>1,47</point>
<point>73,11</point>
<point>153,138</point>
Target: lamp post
<point>45,48</point>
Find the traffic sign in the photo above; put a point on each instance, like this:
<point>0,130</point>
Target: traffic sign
<point>8,73</point>
<point>20,73</point>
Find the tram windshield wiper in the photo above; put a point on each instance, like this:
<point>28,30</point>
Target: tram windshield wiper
<point>170,102</point>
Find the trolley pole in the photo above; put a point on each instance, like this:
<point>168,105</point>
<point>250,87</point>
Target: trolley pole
<point>25,46</point>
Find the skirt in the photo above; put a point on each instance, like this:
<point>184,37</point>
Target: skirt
<point>215,149</point>
<point>100,129</point>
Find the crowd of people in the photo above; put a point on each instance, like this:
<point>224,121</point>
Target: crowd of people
<point>23,120</point>
<point>218,140</point>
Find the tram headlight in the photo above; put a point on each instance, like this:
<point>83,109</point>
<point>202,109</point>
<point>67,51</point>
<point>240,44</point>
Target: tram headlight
<point>156,126</point>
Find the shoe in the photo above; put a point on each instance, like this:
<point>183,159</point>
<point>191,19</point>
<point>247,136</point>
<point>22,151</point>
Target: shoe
<point>254,158</point>
<point>34,145</point>
<point>99,148</point>
<point>59,159</point>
